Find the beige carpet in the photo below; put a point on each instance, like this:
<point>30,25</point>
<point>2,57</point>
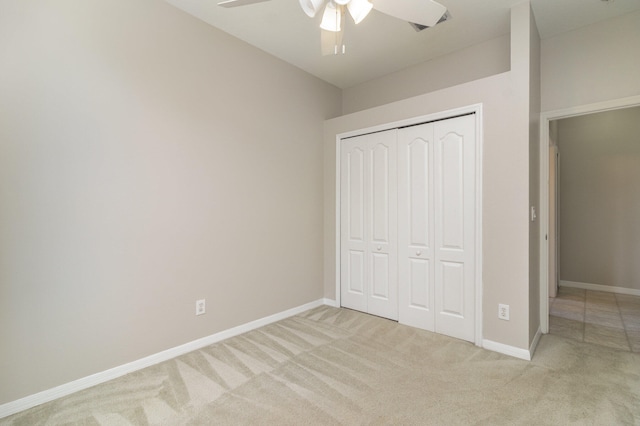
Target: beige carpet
<point>336,366</point>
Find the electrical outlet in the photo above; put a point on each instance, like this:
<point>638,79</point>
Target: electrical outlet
<point>201,307</point>
<point>503,312</point>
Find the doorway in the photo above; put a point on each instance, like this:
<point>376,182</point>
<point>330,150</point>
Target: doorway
<point>577,264</point>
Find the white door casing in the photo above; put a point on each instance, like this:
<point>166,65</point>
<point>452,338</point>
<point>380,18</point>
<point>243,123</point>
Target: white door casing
<point>368,265</point>
<point>545,119</point>
<point>553,221</point>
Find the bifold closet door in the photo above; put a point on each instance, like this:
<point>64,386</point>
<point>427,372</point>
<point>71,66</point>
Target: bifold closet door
<point>415,226</point>
<point>368,236</point>
<point>436,226</point>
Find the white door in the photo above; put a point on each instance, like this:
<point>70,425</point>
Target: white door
<point>415,226</point>
<point>436,226</point>
<point>455,226</point>
<point>368,246</point>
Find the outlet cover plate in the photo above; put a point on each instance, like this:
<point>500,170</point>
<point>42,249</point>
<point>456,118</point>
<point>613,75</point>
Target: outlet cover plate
<point>201,307</point>
<point>503,312</point>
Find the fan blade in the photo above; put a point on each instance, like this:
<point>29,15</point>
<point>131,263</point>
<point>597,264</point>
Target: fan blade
<point>424,12</point>
<point>234,3</point>
<point>331,42</point>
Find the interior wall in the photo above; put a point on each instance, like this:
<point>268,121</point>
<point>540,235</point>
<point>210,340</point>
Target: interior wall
<point>145,164</point>
<point>600,198</point>
<point>482,60</point>
<point>505,226</point>
<point>592,64</point>
<point>534,179</point>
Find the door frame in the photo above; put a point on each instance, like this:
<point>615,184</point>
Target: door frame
<point>545,118</point>
<point>442,115</point>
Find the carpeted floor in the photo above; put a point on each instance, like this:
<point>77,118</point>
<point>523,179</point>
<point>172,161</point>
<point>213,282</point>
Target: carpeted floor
<point>336,366</point>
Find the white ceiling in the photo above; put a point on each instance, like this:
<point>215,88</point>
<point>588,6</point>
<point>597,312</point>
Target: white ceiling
<point>381,44</point>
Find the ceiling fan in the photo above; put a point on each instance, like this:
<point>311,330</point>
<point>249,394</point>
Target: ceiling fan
<point>420,14</point>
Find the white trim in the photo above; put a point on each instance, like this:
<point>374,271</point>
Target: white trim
<point>600,287</point>
<point>470,109</point>
<point>545,118</point>
<point>610,105</point>
<point>478,224</point>
<point>534,343</point>
<point>48,395</point>
<point>331,302</point>
<point>506,349</point>
<point>338,224</point>
<point>544,224</point>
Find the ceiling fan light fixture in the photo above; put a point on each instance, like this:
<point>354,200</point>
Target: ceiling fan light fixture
<point>331,18</point>
<point>311,7</point>
<point>359,9</point>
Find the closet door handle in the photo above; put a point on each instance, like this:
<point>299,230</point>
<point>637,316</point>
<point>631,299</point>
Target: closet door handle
<point>379,248</point>
<point>418,253</point>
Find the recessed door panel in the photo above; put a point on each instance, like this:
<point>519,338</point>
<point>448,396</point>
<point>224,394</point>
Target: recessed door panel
<point>355,282</point>
<point>419,284</point>
<point>451,167</point>
<point>380,192</point>
<point>380,276</point>
<point>419,215</point>
<point>355,194</point>
<point>452,289</point>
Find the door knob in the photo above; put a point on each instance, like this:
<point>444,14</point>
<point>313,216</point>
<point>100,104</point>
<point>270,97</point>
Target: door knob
<point>379,248</point>
<point>418,253</point>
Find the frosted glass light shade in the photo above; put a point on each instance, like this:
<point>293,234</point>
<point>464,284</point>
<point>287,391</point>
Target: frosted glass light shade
<point>311,7</point>
<point>331,18</point>
<point>359,9</point>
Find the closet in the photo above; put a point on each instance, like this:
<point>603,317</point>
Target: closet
<point>407,215</point>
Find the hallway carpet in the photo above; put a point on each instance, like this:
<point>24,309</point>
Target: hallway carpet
<point>335,366</point>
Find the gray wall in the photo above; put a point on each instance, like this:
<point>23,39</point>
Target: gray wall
<point>146,160</point>
<point>600,198</point>
<point>473,63</point>
<point>592,64</point>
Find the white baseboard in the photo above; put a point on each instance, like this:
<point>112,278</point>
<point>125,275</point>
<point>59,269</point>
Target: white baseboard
<point>507,350</point>
<point>330,302</point>
<point>600,287</point>
<point>30,401</point>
